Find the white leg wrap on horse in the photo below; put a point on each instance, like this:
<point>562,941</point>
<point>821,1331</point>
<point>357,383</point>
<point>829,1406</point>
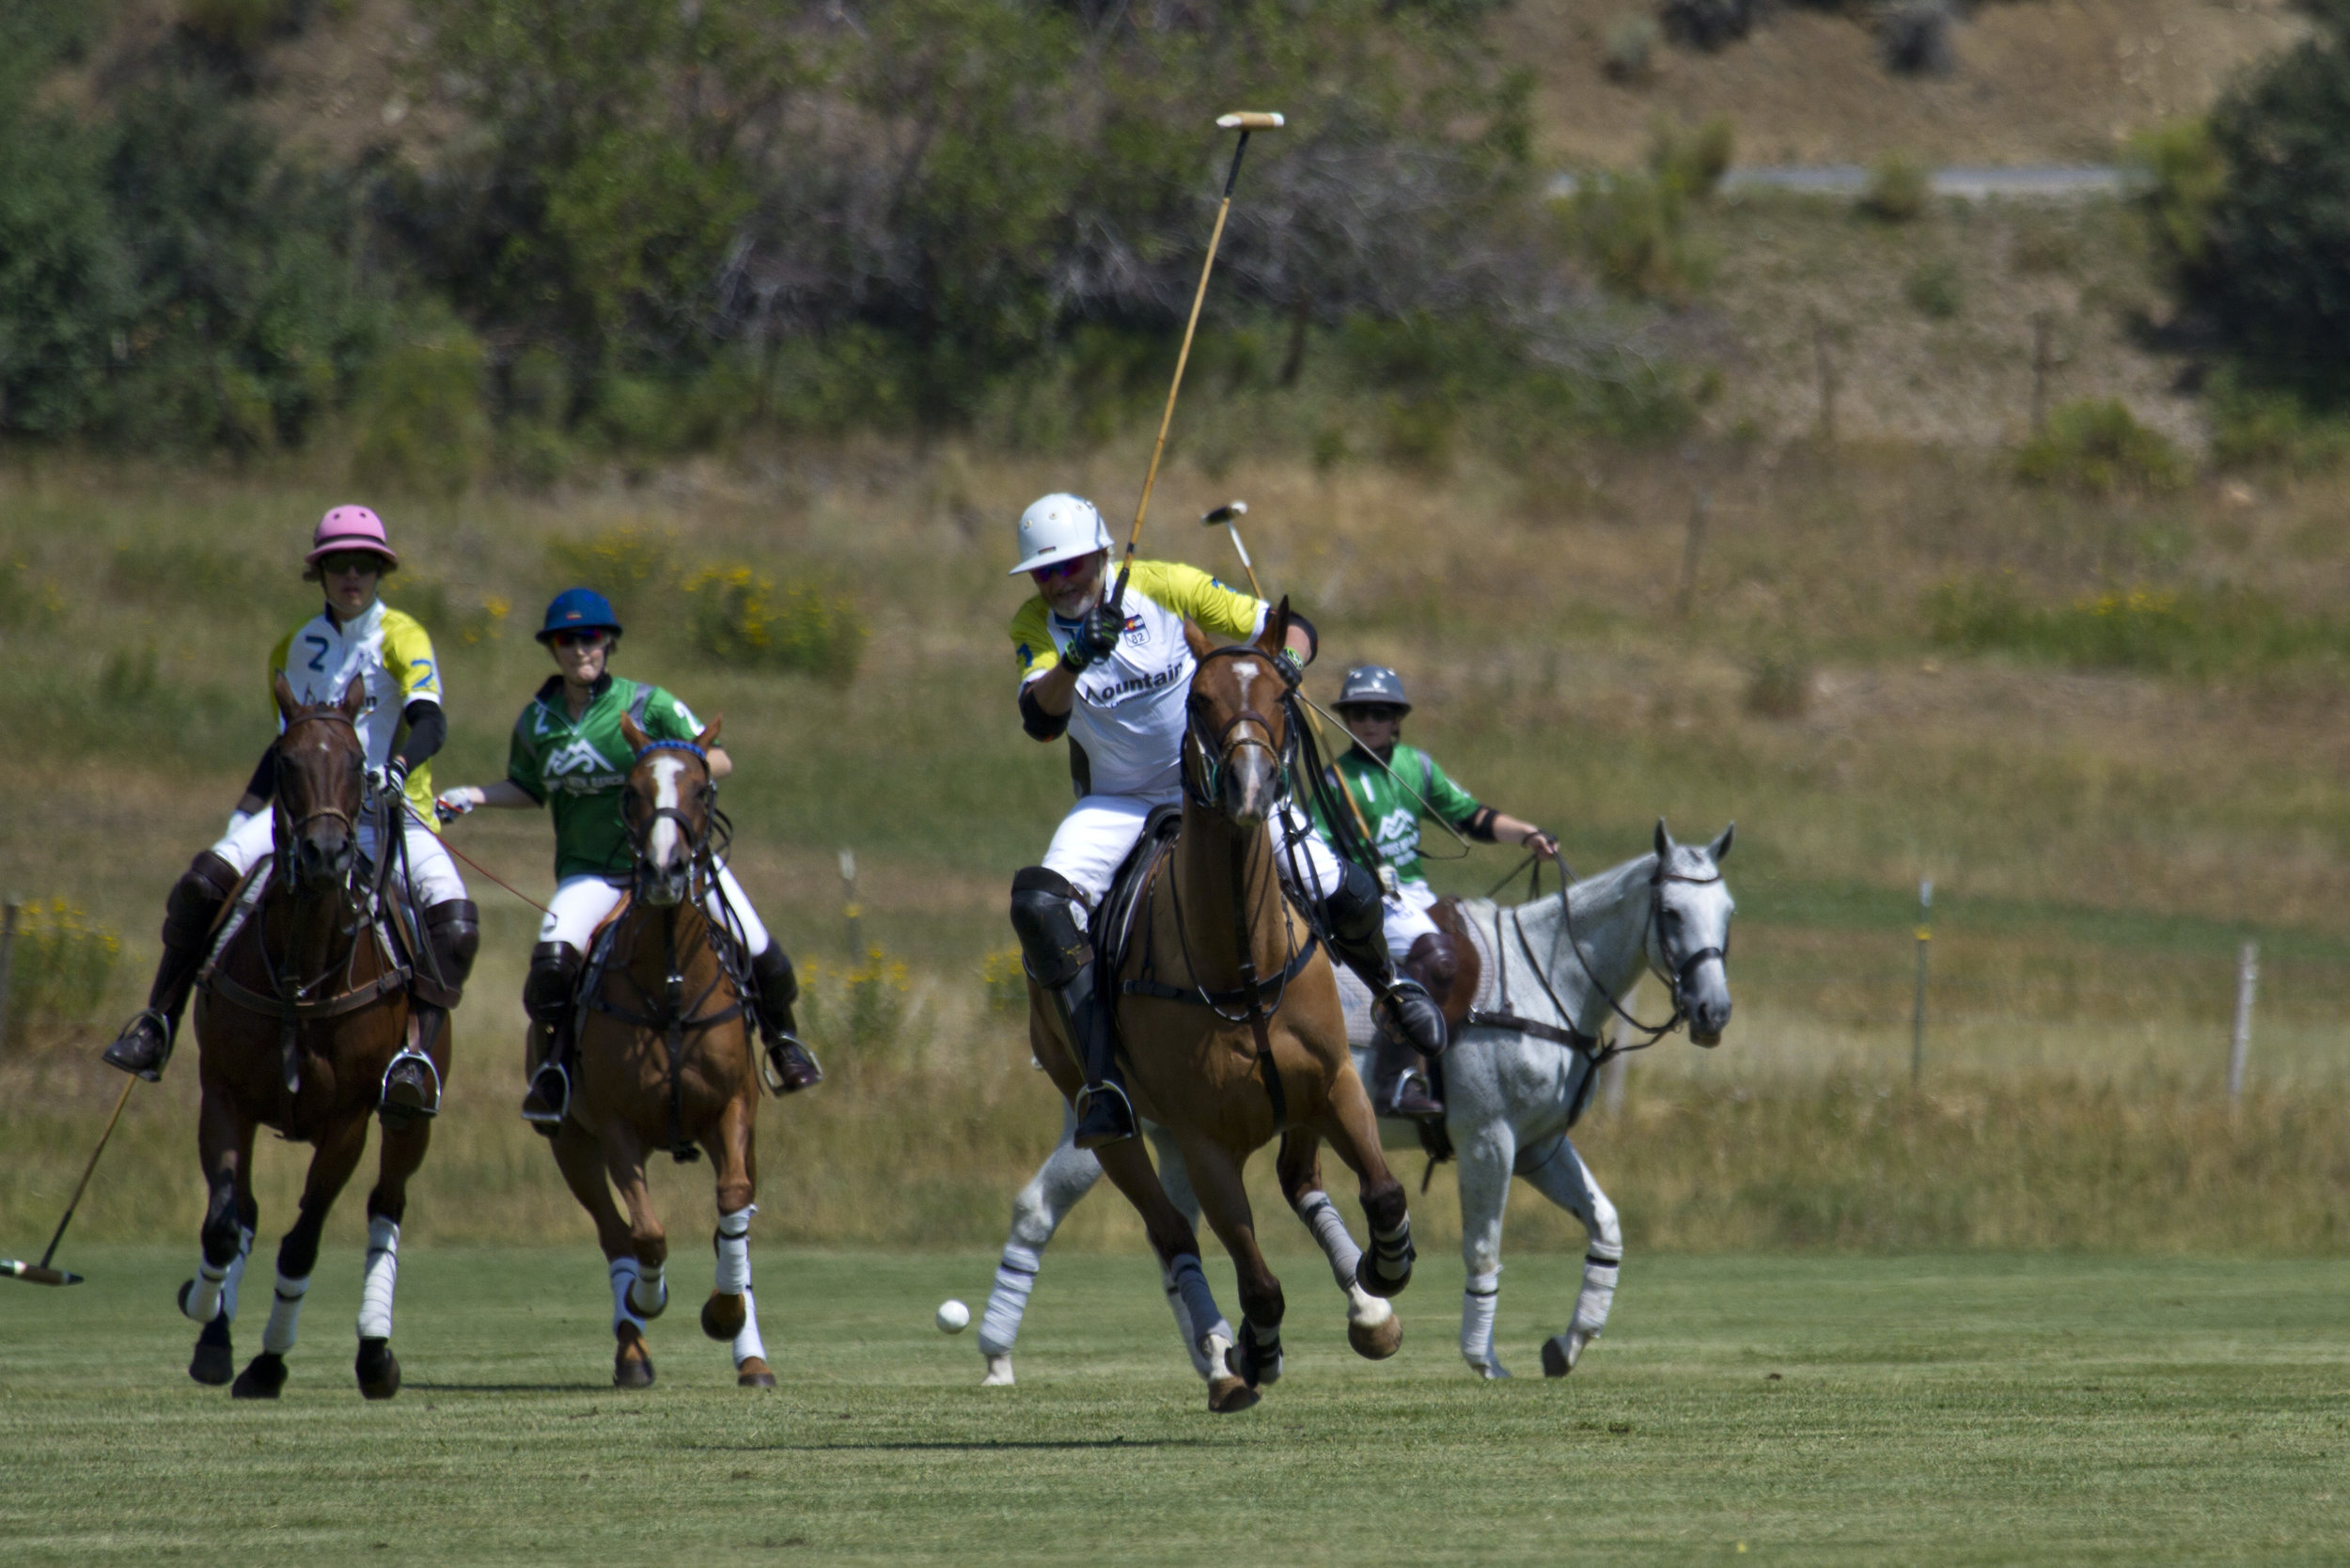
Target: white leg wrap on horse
<point>650,1292</point>
<point>375,1288</point>
<point>1478,1301</point>
<point>236,1272</point>
<point>1185,1329</point>
<point>1599,1295</point>
<point>747,1344</point>
<point>1323,1218</point>
<point>1191,1288</point>
<point>203,1303</point>
<point>285,1314</point>
<point>623,1280</point>
<point>1015,1277</point>
<point>734,1250</point>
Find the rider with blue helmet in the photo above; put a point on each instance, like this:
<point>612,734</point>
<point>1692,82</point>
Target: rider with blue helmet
<point>568,753</point>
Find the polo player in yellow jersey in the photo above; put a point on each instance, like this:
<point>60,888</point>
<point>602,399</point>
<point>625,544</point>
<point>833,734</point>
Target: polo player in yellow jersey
<point>356,637</point>
<point>1116,683</point>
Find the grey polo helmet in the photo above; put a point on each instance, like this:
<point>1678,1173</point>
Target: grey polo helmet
<point>1367,685</point>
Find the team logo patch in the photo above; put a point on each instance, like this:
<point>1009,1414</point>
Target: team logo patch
<point>578,756</point>
<point>1134,631</point>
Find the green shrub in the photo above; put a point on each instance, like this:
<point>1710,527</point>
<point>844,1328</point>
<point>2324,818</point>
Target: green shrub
<point>863,1007</point>
<point>2097,446</point>
<point>1004,978</point>
<point>422,426</point>
<point>1629,52</point>
<point>1933,290</point>
<point>1632,228</point>
<point>61,965</point>
<point>2259,427</point>
<point>741,618</point>
<point>1778,684</point>
<point>1692,161</point>
<point>1900,185</point>
<point>2175,630</point>
<point>2179,175</point>
<point>630,566</point>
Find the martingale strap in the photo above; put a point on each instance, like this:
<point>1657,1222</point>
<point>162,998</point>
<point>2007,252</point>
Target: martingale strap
<point>1493,1018</point>
<point>1160,991</point>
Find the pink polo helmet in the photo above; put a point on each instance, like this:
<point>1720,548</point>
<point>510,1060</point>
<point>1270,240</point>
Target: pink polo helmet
<point>350,528</point>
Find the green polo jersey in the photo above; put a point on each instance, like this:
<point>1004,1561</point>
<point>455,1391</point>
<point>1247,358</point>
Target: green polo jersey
<point>1392,814</point>
<point>580,766</point>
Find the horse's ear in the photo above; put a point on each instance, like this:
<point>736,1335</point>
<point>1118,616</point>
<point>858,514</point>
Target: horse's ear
<point>632,732</point>
<point>1719,848</point>
<point>1664,842</point>
<point>1201,645</point>
<point>355,698</point>
<point>287,706</point>
<point>1276,635</point>
<point>709,737</point>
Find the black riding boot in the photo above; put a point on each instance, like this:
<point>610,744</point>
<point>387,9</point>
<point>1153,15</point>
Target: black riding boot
<point>550,994</point>
<point>1060,959</point>
<point>144,1046</point>
<point>412,1085</point>
<point>794,1064</point>
<point>1400,1006</point>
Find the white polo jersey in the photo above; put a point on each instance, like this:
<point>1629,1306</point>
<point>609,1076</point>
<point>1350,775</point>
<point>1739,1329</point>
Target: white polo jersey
<point>389,652</point>
<point>1128,716</point>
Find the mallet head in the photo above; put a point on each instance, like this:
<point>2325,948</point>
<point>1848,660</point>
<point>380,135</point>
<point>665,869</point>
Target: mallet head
<point>34,1274</point>
<point>1230,511</point>
<point>1250,119</point>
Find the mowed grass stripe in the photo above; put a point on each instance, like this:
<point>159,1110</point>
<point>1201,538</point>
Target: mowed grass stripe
<point>1951,1409</point>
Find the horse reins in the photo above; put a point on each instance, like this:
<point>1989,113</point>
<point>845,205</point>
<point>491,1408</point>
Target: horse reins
<point>1675,976</point>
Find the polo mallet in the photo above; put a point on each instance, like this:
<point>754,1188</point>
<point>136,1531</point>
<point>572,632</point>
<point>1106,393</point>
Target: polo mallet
<point>40,1273</point>
<point>1227,517</point>
<point>1246,124</point>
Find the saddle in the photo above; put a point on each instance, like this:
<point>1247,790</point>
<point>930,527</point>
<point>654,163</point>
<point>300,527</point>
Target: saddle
<point>1113,924</point>
<point>1468,980</point>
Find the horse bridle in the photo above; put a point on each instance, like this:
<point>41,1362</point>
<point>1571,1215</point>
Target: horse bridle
<point>294,824</point>
<point>698,842</point>
<point>1675,976</point>
<point>1217,747</point>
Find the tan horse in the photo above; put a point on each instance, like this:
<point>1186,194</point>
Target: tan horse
<point>665,1061</point>
<point>1254,1044</point>
<point>299,1020</point>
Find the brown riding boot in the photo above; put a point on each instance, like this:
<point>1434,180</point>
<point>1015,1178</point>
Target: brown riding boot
<point>144,1046</point>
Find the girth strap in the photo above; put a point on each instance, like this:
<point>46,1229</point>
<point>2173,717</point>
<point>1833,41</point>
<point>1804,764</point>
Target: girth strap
<point>1493,1018</point>
<point>1238,997</point>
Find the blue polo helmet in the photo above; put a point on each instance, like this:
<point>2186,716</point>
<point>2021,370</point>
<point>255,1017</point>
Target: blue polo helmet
<point>1372,685</point>
<point>579,609</point>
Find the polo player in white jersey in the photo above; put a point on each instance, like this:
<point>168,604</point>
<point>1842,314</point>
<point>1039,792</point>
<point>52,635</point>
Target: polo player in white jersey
<point>1116,684</point>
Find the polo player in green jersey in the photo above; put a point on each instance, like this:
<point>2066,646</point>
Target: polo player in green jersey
<point>1394,786</point>
<point>567,752</point>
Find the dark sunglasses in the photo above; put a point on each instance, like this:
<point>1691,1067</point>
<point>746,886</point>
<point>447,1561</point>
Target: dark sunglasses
<point>594,637</point>
<point>350,561</point>
<point>1043,574</point>
<point>1374,711</point>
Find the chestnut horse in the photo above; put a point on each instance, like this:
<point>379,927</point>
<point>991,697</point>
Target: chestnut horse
<point>1250,1041</point>
<point>665,1060</point>
<point>299,1016</point>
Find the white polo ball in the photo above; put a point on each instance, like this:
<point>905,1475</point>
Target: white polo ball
<point>953,1317</point>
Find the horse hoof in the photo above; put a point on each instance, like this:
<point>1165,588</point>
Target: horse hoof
<point>1376,1342</point>
<point>377,1370</point>
<point>631,1364</point>
<point>215,1361</point>
<point>1226,1395</point>
<point>754,1373</point>
<point>264,1377</point>
<point>723,1316</point>
<point>998,1373</point>
<point>1491,1372</point>
<point>1559,1356</point>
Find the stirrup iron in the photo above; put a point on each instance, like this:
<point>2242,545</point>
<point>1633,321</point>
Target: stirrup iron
<point>551,1086</point>
<point>401,1111</point>
<point>163,1058</point>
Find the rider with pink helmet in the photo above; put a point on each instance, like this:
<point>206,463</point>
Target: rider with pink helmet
<point>355,636</point>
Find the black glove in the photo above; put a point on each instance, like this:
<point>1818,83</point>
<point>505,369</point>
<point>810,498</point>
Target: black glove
<point>1293,668</point>
<point>1097,636</point>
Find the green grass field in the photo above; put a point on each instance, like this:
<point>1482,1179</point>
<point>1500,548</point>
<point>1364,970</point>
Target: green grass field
<point>1983,1408</point>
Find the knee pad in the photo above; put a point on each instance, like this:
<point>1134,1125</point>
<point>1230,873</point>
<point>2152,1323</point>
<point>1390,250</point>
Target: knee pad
<point>553,976</point>
<point>1353,912</point>
<point>454,929</point>
<point>1044,916</point>
<point>778,986</point>
<point>195,898</point>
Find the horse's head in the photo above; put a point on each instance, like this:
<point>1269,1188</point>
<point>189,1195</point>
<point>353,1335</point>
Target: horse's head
<point>322,771</point>
<point>667,804</point>
<point>1689,937</point>
<point>1239,726</point>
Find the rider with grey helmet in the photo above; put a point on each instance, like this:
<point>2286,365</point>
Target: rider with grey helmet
<point>1393,786</point>
<point>1115,680</point>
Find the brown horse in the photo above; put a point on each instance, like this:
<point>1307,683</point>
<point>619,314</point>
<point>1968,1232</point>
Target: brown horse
<point>1249,1043</point>
<point>665,1061</point>
<point>300,1018</point>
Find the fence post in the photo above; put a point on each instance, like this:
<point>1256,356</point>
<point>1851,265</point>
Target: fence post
<point>2247,974</point>
<point>1918,1007</point>
<point>1692,550</point>
<point>852,914</point>
<point>7,966</point>
<point>1825,363</point>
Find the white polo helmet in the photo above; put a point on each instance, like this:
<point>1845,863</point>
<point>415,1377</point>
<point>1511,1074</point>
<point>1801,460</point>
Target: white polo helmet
<point>1060,527</point>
